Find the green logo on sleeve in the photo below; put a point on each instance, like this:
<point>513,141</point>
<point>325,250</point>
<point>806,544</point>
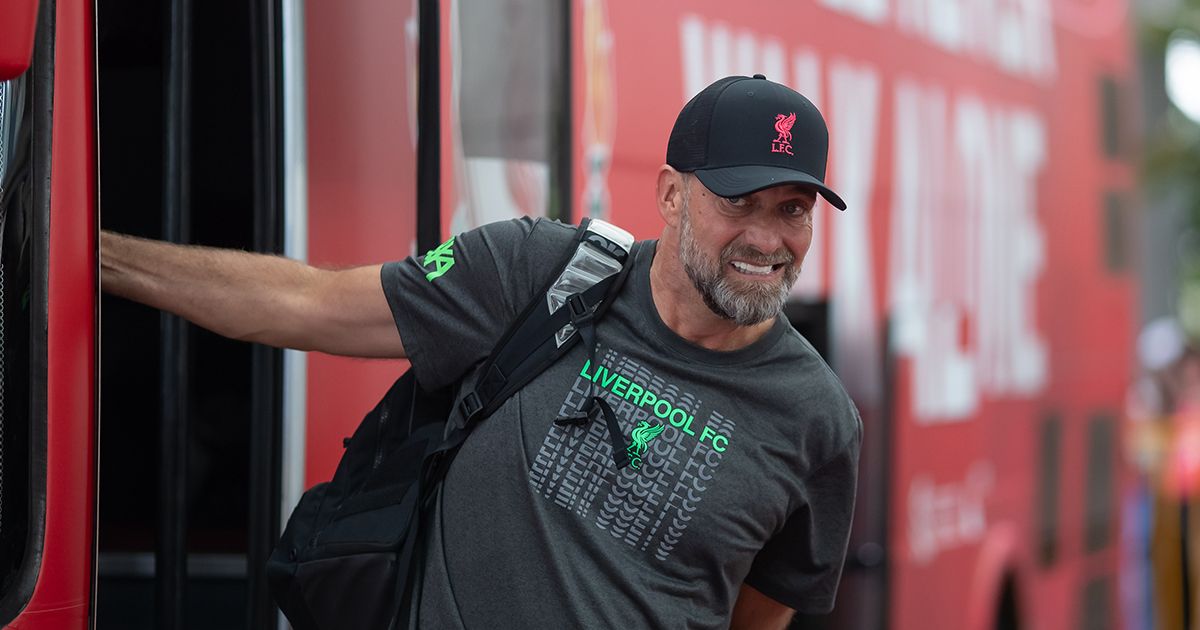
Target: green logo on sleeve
<point>442,258</point>
<point>641,437</point>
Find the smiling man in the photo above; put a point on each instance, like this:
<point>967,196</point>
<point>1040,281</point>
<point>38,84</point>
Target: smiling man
<point>738,511</point>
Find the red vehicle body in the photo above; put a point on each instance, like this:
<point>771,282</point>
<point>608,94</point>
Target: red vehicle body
<point>55,580</point>
<point>977,297</point>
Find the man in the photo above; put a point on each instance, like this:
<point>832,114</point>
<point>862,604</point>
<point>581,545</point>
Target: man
<point>739,510</point>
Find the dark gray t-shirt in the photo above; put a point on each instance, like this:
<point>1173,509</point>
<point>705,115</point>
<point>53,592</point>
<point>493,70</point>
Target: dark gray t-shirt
<point>751,478</point>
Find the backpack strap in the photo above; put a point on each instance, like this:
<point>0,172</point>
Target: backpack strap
<point>527,348</point>
<point>531,344</point>
<point>586,325</point>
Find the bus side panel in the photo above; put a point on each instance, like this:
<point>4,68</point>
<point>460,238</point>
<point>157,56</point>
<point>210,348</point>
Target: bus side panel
<point>361,97</point>
<point>62,597</point>
<point>1043,338</point>
<point>972,155</point>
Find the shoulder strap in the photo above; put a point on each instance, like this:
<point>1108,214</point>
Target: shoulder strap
<point>592,403</point>
<point>527,348</point>
<point>531,343</point>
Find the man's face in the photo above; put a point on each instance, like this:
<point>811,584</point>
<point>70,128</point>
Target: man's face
<point>744,254</point>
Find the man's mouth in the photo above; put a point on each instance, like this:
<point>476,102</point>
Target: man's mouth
<point>755,270</point>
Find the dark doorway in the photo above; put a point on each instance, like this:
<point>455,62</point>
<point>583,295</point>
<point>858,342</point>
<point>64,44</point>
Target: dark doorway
<point>215,385</point>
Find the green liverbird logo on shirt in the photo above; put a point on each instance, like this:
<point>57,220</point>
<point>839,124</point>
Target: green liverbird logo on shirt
<point>641,437</point>
<point>442,258</point>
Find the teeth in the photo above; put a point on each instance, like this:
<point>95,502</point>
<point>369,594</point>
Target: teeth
<point>748,268</point>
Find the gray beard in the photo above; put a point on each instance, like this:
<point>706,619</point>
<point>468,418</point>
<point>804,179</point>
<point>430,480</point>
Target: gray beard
<point>745,305</point>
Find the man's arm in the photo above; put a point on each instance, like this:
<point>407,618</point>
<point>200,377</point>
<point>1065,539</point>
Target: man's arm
<point>755,611</point>
<point>255,297</point>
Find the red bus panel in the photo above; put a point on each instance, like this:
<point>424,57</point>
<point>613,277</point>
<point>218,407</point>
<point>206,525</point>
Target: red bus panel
<point>972,144</point>
<point>62,596</point>
<point>361,99</point>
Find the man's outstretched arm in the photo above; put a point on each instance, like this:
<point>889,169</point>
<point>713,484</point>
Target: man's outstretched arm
<point>255,297</point>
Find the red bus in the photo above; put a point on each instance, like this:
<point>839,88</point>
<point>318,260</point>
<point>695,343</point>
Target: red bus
<point>977,298</point>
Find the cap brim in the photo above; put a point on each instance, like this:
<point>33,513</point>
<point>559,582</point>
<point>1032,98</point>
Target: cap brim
<point>735,181</point>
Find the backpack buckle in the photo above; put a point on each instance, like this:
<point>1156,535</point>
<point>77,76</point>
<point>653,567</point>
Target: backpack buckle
<point>470,406</point>
<point>576,420</point>
<point>580,313</point>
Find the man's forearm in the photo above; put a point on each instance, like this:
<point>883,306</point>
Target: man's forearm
<point>237,294</point>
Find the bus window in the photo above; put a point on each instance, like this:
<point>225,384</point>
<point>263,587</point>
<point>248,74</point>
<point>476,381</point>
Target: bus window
<point>510,108</point>
<point>22,340</point>
<point>14,413</point>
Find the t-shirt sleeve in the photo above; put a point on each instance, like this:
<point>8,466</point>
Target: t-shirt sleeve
<point>801,565</point>
<point>452,305</point>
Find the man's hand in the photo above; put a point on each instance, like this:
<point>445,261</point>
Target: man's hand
<point>254,297</point>
<point>755,611</point>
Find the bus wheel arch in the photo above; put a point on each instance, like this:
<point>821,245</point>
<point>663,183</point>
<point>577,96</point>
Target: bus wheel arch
<point>1008,606</point>
<point>996,600</point>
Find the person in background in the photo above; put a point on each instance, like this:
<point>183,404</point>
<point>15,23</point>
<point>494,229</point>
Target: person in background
<point>1164,444</point>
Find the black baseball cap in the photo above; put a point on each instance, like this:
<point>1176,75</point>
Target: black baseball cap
<point>743,134</point>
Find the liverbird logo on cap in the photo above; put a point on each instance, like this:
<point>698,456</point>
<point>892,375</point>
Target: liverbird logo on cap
<point>783,125</point>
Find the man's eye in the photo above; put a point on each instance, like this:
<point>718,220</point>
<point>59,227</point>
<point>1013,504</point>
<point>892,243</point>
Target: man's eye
<point>736,201</point>
<point>795,209</point>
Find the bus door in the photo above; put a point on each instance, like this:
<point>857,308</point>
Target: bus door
<point>285,127</point>
<point>189,127</point>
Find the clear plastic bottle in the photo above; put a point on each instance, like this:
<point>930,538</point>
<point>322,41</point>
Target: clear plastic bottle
<point>588,266</point>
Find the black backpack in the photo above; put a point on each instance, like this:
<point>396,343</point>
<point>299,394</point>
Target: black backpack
<point>350,554</point>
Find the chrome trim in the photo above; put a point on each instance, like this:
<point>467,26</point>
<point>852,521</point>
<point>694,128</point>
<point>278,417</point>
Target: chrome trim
<point>295,246</point>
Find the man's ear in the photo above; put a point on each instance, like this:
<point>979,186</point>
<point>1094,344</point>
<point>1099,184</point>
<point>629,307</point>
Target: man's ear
<point>669,194</point>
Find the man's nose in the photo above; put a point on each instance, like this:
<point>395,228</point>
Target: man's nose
<point>764,235</point>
